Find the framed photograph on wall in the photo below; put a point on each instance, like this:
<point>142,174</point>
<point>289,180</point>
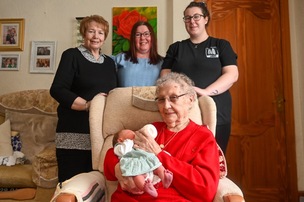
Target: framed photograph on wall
<point>12,34</point>
<point>43,57</point>
<point>79,39</point>
<point>9,62</point>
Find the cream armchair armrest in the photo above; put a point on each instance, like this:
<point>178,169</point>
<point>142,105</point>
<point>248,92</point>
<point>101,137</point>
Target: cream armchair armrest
<point>233,198</point>
<point>84,187</point>
<point>208,109</point>
<point>97,139</point>
<point>226,189</point>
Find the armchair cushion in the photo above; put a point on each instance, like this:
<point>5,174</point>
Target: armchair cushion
<point>143,98</point>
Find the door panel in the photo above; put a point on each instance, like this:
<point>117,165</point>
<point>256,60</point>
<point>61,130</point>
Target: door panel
<point>257,150</point>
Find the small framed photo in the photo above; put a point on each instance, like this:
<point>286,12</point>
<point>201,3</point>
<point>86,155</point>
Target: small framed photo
<point>43,57</point>
<point>9,62</point>
<point>12,34</point>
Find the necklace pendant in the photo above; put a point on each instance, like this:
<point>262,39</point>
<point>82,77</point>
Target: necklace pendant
<point>162,146</point>
<point>195,46</point>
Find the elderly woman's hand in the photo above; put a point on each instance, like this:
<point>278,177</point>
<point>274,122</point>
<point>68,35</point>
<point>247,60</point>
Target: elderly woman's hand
<point>126,183</point>
<point>145,142</point>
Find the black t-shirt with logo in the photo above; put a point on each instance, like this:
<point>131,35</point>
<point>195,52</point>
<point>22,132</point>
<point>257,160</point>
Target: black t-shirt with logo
<point>203,63</point>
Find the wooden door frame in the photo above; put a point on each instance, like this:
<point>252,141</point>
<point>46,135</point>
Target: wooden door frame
<point>289,107</point>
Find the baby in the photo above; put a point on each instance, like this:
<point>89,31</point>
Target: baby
<point>143,166</point>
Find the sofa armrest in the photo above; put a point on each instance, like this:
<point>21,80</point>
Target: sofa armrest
<point>45,170</point>
<point>228,191</point>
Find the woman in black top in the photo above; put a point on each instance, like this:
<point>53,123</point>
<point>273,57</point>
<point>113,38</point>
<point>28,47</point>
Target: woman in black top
<point>83,72</point>
<point>209,62</point>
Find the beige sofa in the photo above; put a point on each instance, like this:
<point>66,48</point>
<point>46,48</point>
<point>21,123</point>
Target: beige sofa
<point>32,115</point>
<point>133,107</point>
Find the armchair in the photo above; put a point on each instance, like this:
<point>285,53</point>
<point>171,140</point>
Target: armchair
<point>133,107</point>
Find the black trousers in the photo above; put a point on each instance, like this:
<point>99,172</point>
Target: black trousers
<point>222,134</point>
<point>72,162</point>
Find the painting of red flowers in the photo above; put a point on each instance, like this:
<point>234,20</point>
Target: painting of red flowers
<point>123,20</point>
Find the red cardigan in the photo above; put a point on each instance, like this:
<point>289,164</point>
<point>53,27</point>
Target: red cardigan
<point>192,157</point>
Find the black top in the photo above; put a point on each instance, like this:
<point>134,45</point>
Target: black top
<point>203,63</point>
<point>77,76</point>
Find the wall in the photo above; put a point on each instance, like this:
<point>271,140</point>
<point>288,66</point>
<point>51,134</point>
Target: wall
<point>55,21</point>
<point>296,12</point>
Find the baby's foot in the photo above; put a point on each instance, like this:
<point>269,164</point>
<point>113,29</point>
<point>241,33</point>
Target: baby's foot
<point>150,189</point>
<point>168,177</point>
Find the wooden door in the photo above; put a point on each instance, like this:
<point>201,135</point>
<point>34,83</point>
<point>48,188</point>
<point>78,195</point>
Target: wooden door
<point>261,152</point>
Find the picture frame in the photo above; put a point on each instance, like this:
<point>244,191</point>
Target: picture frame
<point>9,62</point>
<point>12,34</point>
<point>43,57</point>
<point>79,39</point>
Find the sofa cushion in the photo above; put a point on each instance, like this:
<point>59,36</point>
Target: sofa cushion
<point>36,131</point>
<point>16,176</point>
<point>6,148</point>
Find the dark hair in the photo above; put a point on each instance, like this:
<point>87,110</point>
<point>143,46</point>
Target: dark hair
<point>115,138</point>
<point>203,6</point>
<point>131,53</point>
<point>93,18</point>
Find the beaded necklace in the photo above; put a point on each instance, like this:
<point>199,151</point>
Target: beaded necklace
<point>164,145</point>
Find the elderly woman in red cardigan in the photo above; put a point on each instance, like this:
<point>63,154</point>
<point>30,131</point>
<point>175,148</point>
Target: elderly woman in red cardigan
<point>187,149</point>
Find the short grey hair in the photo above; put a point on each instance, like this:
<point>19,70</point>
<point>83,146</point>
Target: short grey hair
<point>182,80</point>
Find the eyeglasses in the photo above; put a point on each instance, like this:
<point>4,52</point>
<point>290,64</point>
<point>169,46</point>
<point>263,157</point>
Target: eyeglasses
<point>144,34</point>
<point>172,98</point>
<point>196,17</point>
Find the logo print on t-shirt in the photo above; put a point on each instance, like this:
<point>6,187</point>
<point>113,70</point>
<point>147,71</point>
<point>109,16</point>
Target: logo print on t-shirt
<point>212,52</point>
